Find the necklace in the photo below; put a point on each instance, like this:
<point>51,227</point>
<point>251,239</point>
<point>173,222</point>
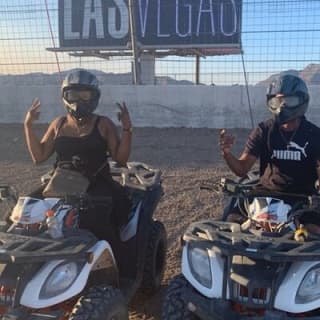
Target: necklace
<point>82,127</point>
<point>288,140</point>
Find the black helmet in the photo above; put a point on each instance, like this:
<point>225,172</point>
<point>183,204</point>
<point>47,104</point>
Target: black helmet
<point>288,98</point>
<point>80,80</point>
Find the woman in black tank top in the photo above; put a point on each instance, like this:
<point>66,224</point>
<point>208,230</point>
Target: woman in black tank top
<point>91,148</point>
<point>89,137</point>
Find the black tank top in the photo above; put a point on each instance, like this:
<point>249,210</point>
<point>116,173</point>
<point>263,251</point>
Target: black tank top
<point>91,149</point>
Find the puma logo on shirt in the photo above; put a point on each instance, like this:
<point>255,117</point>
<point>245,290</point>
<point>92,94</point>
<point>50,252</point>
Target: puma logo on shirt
<point>294,154</point>
<point>293,145</point>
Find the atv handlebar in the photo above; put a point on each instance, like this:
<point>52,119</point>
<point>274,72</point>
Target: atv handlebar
<point>234,188</point>
<point>241,190</point>
<point>250,188</point>
<point>228,186</point>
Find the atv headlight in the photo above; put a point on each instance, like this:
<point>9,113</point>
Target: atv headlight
<point>60,279</point>
<point>309,289</point>
<point>199,263</point>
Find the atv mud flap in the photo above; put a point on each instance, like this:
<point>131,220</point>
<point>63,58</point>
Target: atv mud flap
<point>219,309</point>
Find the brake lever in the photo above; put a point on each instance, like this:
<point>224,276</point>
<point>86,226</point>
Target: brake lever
<point>314,202</point>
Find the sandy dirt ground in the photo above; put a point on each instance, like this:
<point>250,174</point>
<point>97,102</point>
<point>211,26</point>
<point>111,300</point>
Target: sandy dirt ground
<point>186,157</point>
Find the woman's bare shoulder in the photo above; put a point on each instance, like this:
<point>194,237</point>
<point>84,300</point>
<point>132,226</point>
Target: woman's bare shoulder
<point>105,121</point>
<point>57,120</point>
<point>57,123</point>
<point>107,127</point>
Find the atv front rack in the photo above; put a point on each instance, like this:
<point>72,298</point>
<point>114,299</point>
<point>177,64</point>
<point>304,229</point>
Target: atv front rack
<point>24,249</point>
<point>228,239</point>
<point>136,175</point>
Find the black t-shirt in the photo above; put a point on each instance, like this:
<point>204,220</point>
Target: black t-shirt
<point>288,160</point>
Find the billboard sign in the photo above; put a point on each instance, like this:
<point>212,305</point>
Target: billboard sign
<point>160,24</point>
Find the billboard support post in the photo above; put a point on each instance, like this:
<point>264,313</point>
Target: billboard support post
<point>197,69</point>
<point>134,45</point>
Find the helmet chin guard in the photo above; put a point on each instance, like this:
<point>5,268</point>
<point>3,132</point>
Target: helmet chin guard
<point>79,110</point>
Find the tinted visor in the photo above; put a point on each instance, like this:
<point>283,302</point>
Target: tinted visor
<point>73,95</point>
<point>284,101</point>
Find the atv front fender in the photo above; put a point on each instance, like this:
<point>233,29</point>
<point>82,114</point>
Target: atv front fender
<point>32,296</point>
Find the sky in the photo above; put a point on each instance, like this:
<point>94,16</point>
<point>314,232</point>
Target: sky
<point>276,35</point>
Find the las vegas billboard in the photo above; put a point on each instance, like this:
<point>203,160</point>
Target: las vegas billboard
<point>160,24</point>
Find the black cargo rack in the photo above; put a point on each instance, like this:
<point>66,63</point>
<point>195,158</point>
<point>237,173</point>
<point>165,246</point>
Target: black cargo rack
<point>228,239</point>
<point>16,248</point>
<point>136,175</point>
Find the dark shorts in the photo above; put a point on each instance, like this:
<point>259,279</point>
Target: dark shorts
<point>100,219</point>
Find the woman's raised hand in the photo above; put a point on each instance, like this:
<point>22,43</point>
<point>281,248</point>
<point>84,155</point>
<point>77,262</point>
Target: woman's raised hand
<point>33,112</point>
<point>124,116</point>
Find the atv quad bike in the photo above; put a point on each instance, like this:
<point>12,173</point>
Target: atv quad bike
<point>77,276</point>
<point>257,270</point>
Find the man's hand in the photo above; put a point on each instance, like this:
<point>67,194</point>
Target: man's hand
<point>33,112</point>
<point>226,142</point>
<point>124,117</point>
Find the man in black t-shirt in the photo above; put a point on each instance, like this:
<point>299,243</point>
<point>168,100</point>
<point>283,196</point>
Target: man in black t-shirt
<point>288,146</point>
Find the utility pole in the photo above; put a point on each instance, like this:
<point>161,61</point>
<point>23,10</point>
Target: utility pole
<point>134,44</point>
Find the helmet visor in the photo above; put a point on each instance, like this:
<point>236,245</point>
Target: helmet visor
<point>278,102</point>
<point>72,95</point>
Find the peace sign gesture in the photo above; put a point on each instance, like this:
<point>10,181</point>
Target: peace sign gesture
<point>124,116</point>
<point>33,112</point>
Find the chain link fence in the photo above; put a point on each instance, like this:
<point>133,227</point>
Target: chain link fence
<point>276,35</point>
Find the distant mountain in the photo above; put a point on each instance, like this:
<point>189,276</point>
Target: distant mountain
<point>55,78</point>
<point>310,74</point>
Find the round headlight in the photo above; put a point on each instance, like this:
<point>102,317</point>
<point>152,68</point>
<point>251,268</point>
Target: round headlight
<point>199,263</point>
<point>309,289</point>
<point>60,279</point>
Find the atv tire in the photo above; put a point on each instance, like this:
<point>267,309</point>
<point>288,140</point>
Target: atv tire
<point>101,303</point>
<point>155,259</point>
<point>174,307</point>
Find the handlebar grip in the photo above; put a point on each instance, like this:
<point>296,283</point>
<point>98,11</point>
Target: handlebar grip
<point>301,235</point>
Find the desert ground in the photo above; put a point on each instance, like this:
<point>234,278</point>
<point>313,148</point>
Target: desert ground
<point>186,157</point>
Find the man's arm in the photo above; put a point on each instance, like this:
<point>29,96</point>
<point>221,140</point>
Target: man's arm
<point>239,166</point>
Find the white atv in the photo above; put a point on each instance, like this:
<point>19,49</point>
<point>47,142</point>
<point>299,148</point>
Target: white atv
<point>77,276</point>
<point>265,268</point>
